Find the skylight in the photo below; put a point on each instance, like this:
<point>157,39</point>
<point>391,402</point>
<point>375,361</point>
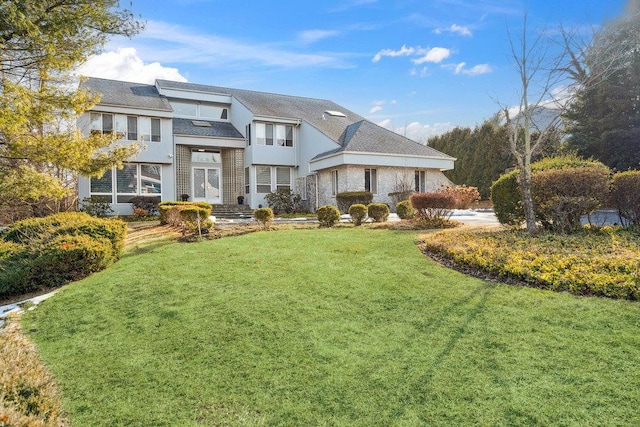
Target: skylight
<point>335,113</point>
<point>201,123</point>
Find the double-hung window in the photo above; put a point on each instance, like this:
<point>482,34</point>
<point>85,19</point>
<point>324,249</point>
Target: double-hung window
<point>263,179</point>
<point>334,182</point>
<point>420,181</point>
<point>371,180</point>
<point>283,178</point>
<point>101,122</point>
<point>132,128</point>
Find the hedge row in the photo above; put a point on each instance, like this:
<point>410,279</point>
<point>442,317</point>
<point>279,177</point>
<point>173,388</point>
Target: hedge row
<point>40,253</point>
<point>170,211</point>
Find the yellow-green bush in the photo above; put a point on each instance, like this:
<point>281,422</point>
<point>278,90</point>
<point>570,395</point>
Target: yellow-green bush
<point>194,218</point>
<point>165,208</point>
<point>358,213</point>
<point>601,262</point>
<point>264,216</point>
<point>379,212</point>
<point>328,215</point>
<point>404,209</point>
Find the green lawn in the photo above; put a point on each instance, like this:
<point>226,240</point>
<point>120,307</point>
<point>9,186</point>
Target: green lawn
<point>348,326</point>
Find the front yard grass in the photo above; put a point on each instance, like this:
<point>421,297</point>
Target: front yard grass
<point>348,326</point>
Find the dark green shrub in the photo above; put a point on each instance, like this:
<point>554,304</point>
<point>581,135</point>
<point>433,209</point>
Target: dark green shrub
<point>348,198</point>
<point>68,258</point>
<point>35,231</point>
<point>432,206</point>
<point>97,206</point>
<point>264,216</point>
<point>625,195</point>
<point>148,203</point>
<point>358,213</point>
<point>506,196</point>
<point>45,252</point>
<point>379,212</point>
<point>405,210</point>
<point>328,215</point>
<point>284,201</point>
<point>507,200</point>
<point>562,196</point>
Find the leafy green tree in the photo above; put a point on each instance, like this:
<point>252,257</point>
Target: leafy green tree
<point>41,42</point>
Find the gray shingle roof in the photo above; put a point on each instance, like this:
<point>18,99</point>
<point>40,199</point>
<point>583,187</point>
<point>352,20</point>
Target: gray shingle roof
<point>127,94</point>
<point>216,130</point>
<point>265,104</point>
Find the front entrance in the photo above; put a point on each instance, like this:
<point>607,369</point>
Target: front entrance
<point>206,185</point>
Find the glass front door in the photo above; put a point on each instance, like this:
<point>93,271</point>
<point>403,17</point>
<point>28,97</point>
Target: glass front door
<point>206,185</point>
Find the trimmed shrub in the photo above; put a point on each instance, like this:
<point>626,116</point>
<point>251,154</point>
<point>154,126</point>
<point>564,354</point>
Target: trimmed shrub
<point>433,206</point>
<point>507,200</point>
<point>328,215</point>
<point>97,206</point>
<point>405,210</point>
<point>358,213</point>
<point>625,195</point>
<point>348,198</point>
<point>165,207</point>
<point>148,203</point>
<point>284,201</point>
<point>194,219</point>
<point>506,196</point>
<point>379,212</point>
<point>562,196</point>
<point>35,231</point>
<point>264,216</point>
<point>464,195</point>
<point>47,252</point>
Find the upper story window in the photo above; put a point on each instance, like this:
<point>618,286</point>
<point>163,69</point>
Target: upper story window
<point>131,128</point>
<point>101,123</point>
<point>268,133</point>
<point>200,110</point>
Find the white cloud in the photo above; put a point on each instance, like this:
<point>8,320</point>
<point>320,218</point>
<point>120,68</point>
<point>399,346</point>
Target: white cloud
<point>312,36</point>
<point>417,131</point>
<point>423,72</point>
<point>456,29</point>
<point>377,106</point>
<point>403,51</point>
<point>125,64</point>
<point>476,70</point>
<point>435,55</point>
<point>169,43</point>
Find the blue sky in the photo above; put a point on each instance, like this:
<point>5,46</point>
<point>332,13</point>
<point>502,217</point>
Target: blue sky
<point>418,67</point>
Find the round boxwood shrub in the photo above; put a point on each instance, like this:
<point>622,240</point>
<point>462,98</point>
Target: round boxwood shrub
<point>404,209</point>
<point>507,200</point>
<point>264,216</point>
<point>379,212</point>
<point>625,196</point>
<point>328,215</point>
<point>358,213</point>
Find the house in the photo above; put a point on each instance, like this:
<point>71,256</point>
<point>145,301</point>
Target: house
<point>215,144</point>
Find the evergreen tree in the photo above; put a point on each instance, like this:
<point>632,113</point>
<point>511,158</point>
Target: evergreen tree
<point>41,42</point>
<point>604,119</point>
